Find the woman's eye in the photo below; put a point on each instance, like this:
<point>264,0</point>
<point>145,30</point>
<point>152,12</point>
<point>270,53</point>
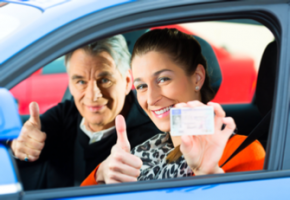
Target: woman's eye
<point>141,87</point>
<point>163,79</point>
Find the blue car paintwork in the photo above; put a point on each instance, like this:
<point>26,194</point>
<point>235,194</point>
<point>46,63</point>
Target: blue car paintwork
<point>259,189</point>
<point>10,127</point>
<point>7,173</point>
<point>10,123</point>
<point>50,20</point>
<point>42,5</point>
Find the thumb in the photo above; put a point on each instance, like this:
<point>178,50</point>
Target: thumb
<point>34,114</point>
<point>122,139</point>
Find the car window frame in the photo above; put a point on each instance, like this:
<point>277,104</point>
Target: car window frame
<point>144,17</point>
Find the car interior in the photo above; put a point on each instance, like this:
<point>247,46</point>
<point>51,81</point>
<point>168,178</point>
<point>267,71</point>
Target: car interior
<point>248,116</point>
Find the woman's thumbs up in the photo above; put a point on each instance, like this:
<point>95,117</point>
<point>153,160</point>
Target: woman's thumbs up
<point>121,165</point>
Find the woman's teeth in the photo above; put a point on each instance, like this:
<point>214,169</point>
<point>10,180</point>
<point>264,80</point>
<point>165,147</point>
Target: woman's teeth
<point>159,112</point>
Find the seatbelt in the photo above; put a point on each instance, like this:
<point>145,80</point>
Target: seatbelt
<point>258,131</point>
<point>79,161</point>
<point>79,164</point>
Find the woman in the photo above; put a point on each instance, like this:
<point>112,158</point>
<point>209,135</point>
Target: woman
<point>170,71</point>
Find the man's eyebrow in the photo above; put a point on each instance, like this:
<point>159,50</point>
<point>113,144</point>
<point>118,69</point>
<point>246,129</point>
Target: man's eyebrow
<point>154,74</point>
<point>105,73</point>
<point>77,77</point>
<point>102,74</point>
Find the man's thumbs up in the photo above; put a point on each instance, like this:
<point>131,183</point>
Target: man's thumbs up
<point>30,142</point>
<point>122,139</point>
<point>34,114</point>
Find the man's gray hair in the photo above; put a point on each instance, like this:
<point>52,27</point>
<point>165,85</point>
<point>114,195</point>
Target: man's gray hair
<point>116,46</point>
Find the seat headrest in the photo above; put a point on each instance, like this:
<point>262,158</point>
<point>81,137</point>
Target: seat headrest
<point>132,37</point>
<point>266,79</point>
<point>213,67</point>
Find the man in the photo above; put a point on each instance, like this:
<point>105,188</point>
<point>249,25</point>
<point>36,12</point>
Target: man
<point>61,147</point>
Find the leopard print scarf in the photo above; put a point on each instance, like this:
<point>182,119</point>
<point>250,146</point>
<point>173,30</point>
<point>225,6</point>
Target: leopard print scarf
<point>153,153</point>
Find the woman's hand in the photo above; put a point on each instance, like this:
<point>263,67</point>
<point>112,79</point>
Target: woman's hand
<point>203,152</point>
<point>121,165</point>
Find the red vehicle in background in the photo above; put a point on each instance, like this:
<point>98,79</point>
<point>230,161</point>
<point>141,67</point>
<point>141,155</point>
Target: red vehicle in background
<point>48,85</point>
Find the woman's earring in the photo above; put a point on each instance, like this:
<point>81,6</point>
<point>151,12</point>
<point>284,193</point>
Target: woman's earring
<point>197,88</point>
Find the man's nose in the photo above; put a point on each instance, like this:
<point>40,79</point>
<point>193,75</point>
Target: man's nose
<point>153,95</point>
<point>94,91</point>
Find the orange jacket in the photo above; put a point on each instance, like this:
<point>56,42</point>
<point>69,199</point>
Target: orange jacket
<point>250,158</point>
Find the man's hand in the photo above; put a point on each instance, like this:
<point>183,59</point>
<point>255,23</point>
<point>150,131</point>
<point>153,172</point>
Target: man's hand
<point>121,165</point>
<point>30,142</point>
<point>203,152</point>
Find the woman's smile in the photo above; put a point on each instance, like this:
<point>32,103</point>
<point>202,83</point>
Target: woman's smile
<point>163,112</point>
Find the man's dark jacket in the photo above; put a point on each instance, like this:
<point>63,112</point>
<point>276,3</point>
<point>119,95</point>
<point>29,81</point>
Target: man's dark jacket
<point>68,158</point>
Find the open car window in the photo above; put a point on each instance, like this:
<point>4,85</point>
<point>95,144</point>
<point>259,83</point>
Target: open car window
<point>233,52</point>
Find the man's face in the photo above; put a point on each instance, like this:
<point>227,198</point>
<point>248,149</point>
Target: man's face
<point>98,88</point>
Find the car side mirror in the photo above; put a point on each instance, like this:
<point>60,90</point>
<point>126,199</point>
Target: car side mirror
<point>10,123</point>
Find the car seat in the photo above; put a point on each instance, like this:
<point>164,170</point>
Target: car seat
<point>265,84</point>
<point>264,98</point>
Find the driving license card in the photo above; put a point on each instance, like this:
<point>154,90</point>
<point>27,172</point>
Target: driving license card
<point>192,121</point>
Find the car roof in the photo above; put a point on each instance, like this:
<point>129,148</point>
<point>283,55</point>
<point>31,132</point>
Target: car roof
<point>43,20</point>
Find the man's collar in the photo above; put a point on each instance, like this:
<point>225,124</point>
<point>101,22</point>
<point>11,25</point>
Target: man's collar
<point>95,136</point>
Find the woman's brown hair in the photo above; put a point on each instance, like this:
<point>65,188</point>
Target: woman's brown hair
<point>185,51</point>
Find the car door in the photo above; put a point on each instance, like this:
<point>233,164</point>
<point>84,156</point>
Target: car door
<point>272,182</point>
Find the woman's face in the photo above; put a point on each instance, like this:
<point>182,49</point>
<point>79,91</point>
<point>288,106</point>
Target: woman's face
<point>161,83</point>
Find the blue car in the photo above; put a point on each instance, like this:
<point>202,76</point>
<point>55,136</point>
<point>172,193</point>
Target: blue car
<point>34,33</point>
